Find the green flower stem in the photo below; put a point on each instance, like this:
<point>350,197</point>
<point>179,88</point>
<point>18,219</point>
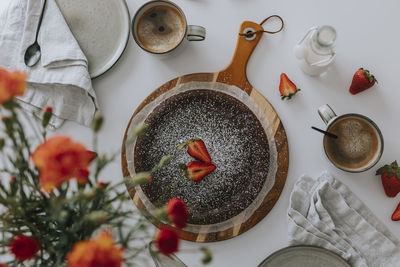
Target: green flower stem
<point>32,126</point>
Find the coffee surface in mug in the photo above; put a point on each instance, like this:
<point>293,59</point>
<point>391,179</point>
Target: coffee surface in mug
<point>356,145</point>
<point>160,29</point>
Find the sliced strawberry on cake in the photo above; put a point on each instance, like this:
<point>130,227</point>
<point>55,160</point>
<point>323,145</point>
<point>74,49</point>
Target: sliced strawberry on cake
<point>197,149</point>
<point>196,170</point>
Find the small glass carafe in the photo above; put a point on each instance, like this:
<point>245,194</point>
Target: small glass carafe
<point>315,52</point>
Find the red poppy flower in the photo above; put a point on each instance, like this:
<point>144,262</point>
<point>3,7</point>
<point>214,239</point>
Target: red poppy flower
<point>24,247</point>
<point>167,241</point>
<point>177,212</point>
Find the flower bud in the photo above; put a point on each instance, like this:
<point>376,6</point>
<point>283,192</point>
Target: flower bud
<point>161,214</point>
<point>102,185</point>
<point>139,179</point>
<point>2,143</point>
<point>97,122</point>
<point>91,193</point>
<point>47,114</point>
<point>64,214</point>
<point>165,160</point>
<point>97,216</point>
<point>140,129</point>
<point>8,123</point>
<point>63,217</point>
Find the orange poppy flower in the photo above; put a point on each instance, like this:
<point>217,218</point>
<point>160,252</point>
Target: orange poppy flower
<point>60,159</point>
<point>98,252</point>
<point>11,84</point>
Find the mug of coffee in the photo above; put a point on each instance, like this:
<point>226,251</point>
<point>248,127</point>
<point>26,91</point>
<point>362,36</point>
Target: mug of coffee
<point>359,143</point>
<point>160,26</point>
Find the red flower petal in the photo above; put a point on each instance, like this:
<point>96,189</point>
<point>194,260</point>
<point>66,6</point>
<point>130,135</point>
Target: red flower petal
<point>177,212</point>
<point>24,247</point>
<point>167,241</point>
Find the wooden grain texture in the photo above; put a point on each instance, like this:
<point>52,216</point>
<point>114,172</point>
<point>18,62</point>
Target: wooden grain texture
<point>234,74</point>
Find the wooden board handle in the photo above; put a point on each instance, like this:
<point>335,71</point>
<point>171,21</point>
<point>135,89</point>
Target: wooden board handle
<point>235,73</point>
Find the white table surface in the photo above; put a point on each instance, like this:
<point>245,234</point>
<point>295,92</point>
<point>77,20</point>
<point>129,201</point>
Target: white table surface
<point>367,37</point>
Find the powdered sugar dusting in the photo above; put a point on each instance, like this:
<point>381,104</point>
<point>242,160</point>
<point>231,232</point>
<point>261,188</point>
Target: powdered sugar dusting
<point>266,121</point>
<point>235,140</point>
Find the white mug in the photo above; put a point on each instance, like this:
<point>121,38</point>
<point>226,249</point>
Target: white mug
<point>189,32</point>
<point>330,118</point>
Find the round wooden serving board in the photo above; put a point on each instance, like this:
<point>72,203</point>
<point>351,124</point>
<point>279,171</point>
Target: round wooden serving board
<point>234,74</point>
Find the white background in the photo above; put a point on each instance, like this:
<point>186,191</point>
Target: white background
<point>368,36</point>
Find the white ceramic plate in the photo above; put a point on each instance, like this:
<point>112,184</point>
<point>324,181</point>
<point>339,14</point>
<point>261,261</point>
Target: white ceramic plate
<point>101,28</point>
<point>304,256</point>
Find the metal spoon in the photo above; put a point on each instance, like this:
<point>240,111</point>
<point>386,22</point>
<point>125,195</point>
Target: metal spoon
<point>32,53</point>
<point>325,132</point>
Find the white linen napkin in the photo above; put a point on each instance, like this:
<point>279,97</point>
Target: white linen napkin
<point>61,78</point>
<point>324,212</point>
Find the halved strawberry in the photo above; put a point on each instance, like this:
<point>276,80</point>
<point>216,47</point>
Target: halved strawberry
<point>196,170</point>
<point>197,149</point>
<point>286,87</point>
<point>396,214</point>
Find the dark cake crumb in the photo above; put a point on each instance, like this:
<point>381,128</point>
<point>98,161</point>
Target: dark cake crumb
<point>235,140</point>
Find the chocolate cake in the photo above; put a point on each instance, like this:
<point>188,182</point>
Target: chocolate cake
<point>236,142</point>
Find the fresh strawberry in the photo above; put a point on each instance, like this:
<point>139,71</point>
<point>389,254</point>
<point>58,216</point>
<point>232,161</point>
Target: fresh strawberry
<point>396,214</point>
<point>362,80</point>
<point>390,176</point>
<point>196,170</point>
<point>197,149</point>
<point>286,87</point>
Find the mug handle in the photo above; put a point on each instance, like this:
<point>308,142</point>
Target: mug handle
<point>196,33</point>
<point>326,113</point>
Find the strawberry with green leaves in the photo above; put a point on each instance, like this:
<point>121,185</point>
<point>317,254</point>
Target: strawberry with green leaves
<point>362,80</point>
<point>390,176</point>
<point>286,87</point>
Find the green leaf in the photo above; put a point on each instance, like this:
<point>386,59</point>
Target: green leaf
<point>382,170</point>
<point>207,257</point>
<point>182,166</point>
<point>181,146</point>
